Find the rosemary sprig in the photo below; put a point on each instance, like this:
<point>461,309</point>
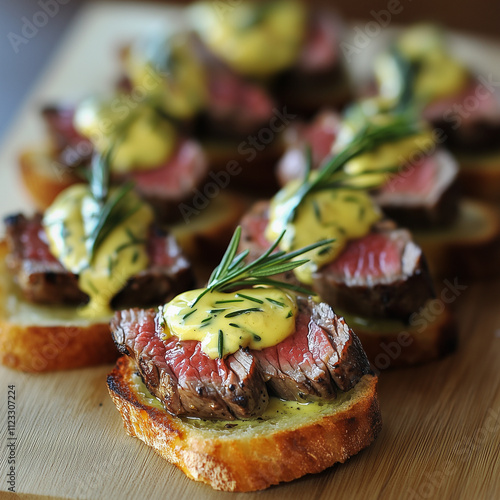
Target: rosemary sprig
<point>186,316</point>
<point>331,174</point>
<point>100,176</point>
<point>112,209</point>
<point>408,71</point>
<point>275,302</point>
<point>232,272</point>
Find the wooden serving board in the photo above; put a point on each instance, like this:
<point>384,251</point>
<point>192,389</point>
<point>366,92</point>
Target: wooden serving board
<point>441,422</point>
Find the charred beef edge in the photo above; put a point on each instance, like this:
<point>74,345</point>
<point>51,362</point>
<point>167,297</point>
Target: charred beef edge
<point>352,366</point>
<point>52,284</point>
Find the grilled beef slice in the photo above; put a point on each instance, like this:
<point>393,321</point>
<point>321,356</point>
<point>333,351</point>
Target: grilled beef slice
<point>183,377</point>
<point>71,148</point>
<point>164,187</point>
<point>321,357</point>
<point>423,195</point>
<point>43,279</point>
<point>475,131</point>
<point>382,275</point>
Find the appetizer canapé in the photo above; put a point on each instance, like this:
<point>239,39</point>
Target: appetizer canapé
<point>460,237</point>
<point>95,249</point>
<point>225,380</point>
<point>465,108</point>
<point>374,271</point>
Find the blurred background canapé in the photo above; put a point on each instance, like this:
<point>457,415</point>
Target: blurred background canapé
<point>30,32</point>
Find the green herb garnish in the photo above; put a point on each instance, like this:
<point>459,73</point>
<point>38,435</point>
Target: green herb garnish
<point>243,311</point>
<point>186,316</point>
<point>232,272</point>
<point>324,251</point>
<point>112,209</point>
<point>220,344</point>
<point>317,211</point>
<point>407,73</point>
<point>275,302</point>
<point>135,257</point>
<point>252,299</point>
<point>332,175</point>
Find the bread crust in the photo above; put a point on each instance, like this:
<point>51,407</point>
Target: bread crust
<point>32,348</point>
<point>470,248</point>
<point>432,335</point>
<point>43,177</point>
<point>36,348</point>
<point>229,460</point>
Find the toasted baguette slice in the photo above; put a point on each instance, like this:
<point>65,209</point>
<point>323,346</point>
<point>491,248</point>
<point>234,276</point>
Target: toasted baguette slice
<point>248,455</point>
<point>430,335</point>
<point>36,338</point>
<point>43,177</point>
<point>479,176</point>
<point>470,248</point>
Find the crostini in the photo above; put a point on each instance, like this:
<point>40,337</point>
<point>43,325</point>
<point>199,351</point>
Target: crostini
<point>374,271</point>
<point>225,381</point>
<point>460,237</point>
<point>220,108</point>
<point>291,47</point>
<point>465,108</point>
<point>95,249</point>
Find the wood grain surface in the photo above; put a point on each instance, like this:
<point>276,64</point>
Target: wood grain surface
<point>441,422</point>
<point>440,437</point>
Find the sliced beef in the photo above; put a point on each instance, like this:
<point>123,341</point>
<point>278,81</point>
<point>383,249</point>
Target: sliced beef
<point>321,357</point>
<point>71,148</point>
<point>43,279</point>
<point>320,50</point>
<point>318,78</point>
<point>423,195</point>
<point>168,185</point>
<point>236,107</point>
<point>468,128</point>
<point>382,275</point>
<point>183,377</point>
<point>164,187</point>
<point>320,135</point>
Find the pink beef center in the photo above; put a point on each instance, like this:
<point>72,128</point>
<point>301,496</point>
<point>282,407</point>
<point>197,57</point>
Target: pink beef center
<point>478,103</point>
<point>320,136</point>
<point>415,179</point>
<point>374,255</point>
<point>177,172</point>
<point>61,122</point>
<point>230,94</point>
